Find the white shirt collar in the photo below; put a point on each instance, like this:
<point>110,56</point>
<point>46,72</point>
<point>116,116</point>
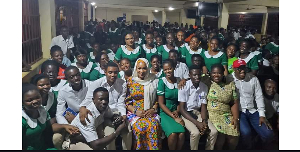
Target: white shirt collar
<point>114,31</point>
<point>193,52</point>
<point>49,101</point>
<point>139,42</point>
<point>171,85</point>
<point>32,123</point>
<point>98,68</point>
<point>127,52</point>
<point>69,88</point>
<point>248,58</point>
<point>215,56</point>
<point>167,49</point>
<point>87,69</point>
<point>184,45</point>
<point>149,50</point>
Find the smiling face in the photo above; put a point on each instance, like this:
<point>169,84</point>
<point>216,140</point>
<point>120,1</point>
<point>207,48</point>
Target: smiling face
<point>170,39</point>
<point>57,56</point>
<point>159,41</point>
<point>194,43</point>
<point>240,72</point>
<point>111,74</point>
<point>244,47</point>
<point>195,75</point>
<point>196,61</point>
<point>81,59</point>
<point>149,39</point>
<point>216,74</point>
<point>141,69</point>
<point>73,77</point>
<point>155,63</point>
<point>214,45</point>
<point>44,85</point>
<point>180,36</point>
<point>125,65</point>
<point>270,88</point>
<point>32,100</point>
<point>168,70</point>
<point>101,100</point>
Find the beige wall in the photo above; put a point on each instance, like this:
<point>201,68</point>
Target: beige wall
<point>114,13</point>
<point>173,17</point>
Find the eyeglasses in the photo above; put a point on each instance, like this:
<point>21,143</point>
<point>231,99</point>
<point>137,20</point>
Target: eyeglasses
<point>246,69</point>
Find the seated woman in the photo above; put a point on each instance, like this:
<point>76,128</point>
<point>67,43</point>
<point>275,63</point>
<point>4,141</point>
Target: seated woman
<point>164,50</point>
<point>223,108</point>
<point>188,50</point>
<point>99,71</point>
<point>85,67</point>
<point>129,50</point>
<point>50,68</point>
<point>142,107</point>
<point>57,55</point>
<point>125,69</point>
<point>149,48</point>
<point>167,92</point>
<point>214,56</point>
<point>155,68</point>
<point>48,101</point>
<point>36,127</point>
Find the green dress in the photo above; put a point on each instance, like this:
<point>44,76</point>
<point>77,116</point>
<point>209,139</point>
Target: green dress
<point>163,51</point>
<point>251,61</point>
<point>133,55</point>
<point>274,48</point>
<point>170,92</point>
<point>230,63</point>
<point>186,54</point>
<point>149,52</point>
<point>114,35</point>
<point>211,60</point>
<point>258,54</point>
<point>37,133</point>
<point>97,73</point>
<point>51,104</point>
<point>85,73</point>
<point>219,110</point>
<point>160,74</point>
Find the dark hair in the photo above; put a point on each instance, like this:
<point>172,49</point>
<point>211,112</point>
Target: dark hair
<point>80,51</point>
<point>128,72</point>
<point>248,43</point>
<point>216,38</point>
<point>111,64</point>
<point>194,67</point>
<point>124,34</point>
<point>170,33</point>
<point>201,59</point>
<point>174,51</point>
<point>28,87</point>
<point>99,90</point>
<point>63,26</point>
<point>47,63</point>
<point>180,30</point>
<point>232,45</point>
<point>68,69</point>
<point>159,36</point>
<point>98,56</point>
<point>169,61</point>
<point>195,36</point>
<point>218,65</point>
<point>54,49</point>
<point>148,32</point>
<point>37,78</point>
<point>125,59</point>
<point>155,56</point>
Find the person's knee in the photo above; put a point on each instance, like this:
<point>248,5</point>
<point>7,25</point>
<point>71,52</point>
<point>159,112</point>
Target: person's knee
<point>267,135</point>
<point>213,132</point>
<point>195,134</point>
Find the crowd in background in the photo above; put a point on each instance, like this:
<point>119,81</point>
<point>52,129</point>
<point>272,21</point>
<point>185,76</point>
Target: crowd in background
<point>153,83</point>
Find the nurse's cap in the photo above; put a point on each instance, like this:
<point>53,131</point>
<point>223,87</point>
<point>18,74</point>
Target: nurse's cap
<point>238,63</point>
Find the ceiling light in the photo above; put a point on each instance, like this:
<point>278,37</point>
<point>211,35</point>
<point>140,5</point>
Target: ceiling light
<point>171,8</point>
<point>93,3</point>
<point>156,11</point>
<point>197,3</point>
<point>95,6</point>
<point>200,6</point>
<point>243,12</point>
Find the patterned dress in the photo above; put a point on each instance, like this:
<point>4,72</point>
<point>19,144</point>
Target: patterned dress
<point>146,131</point>
<point>219,109</point>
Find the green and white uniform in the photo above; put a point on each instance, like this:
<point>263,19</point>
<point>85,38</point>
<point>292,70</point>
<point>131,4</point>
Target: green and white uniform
<point>110,54</point>
<point>97,73</point>
<point>139,43</point>
<point>51,105</point>
<point>55,89</point>
<point>133,55</point>
<point>149,52</point>
<point>37,133</point>
<point>159,74</point>
<point>258,54</point>
<point>85,73</point>
<point>211,60</point>
<point>114,35</point>
<point>221,37</point>
<point>163,51</point>
<point>251,61</point>
<point>91,57</point>
<point>187,52</point>
<point>273,48</point>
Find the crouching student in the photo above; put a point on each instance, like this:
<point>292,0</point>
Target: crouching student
<point>93,131</point>
<point>68,101</point>
<point>193,108</point>
<point>117,91</point>
<point>125,69</point>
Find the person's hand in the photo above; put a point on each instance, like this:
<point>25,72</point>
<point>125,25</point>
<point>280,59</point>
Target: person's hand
<point>202,127</point>
<point>83,114</point>
<point>121,127</point>
<point>118,120</point>
<point>181,84</point>
<point>149,113</point>
<point>71,129</point>
<point>140,113</point>
<point>69,116</point>
<point>265,121</point>
<point>236,123</point>
<point>180,121</point>
<point>175,114</point>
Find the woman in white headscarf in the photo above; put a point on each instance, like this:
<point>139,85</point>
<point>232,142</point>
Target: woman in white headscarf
<point>141,103</point>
